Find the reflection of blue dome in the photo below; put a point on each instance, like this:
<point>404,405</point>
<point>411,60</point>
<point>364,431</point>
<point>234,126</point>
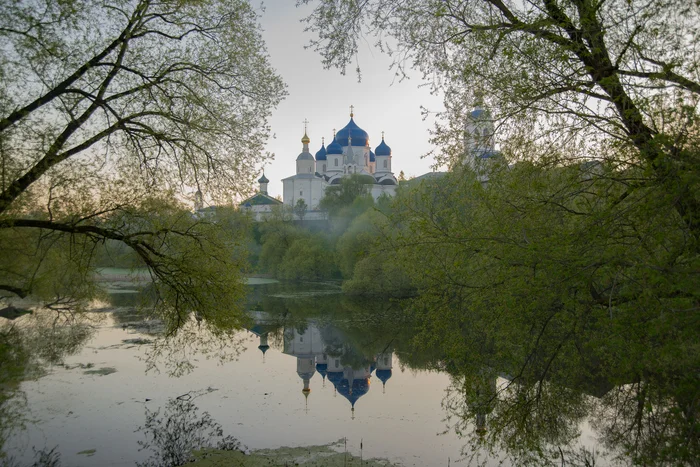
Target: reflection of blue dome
<point>305,374</point>
<point>335,377</point>
<point>321,368</point>
<point>263,348</point>
<point>371,156</point>
<point>352,393</point>
<point>383,149</point>
<point>383,375</point>
<point>321,154</point>
<point>334,148</point>
<point>359,136</point>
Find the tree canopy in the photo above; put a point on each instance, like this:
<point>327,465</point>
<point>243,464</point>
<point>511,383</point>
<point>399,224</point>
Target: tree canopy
<point>106,126</point>
<point>571,270</point>
<point>580,76</point>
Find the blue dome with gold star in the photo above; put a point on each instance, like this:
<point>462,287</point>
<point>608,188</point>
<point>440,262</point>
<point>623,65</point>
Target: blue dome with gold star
<point>351,130</point>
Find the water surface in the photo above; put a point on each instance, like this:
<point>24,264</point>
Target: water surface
<point>313,367</point>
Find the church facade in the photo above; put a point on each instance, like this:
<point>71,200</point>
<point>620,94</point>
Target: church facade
<point>349,153</point>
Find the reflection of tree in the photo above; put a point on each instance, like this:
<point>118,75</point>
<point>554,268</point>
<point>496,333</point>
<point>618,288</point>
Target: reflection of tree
<point>508,395</point>
<point>27,347</point>
<point>179,430</point>
<point>174,353</point>
<point>647,416</point>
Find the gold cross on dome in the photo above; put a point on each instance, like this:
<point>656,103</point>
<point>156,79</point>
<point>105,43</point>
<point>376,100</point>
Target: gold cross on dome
<point>382,136</point>
<point>305,122</point>
<point>352,109</point>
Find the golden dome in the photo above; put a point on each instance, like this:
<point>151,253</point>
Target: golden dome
<point>305,139</point>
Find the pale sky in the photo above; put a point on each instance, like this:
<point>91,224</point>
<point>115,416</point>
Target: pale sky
<point>323,97</point>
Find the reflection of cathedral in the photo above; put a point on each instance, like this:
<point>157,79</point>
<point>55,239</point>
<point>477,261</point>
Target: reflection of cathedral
<point>315,355</point>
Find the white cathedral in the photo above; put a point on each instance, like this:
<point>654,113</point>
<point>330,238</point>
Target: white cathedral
<point>348,154</point>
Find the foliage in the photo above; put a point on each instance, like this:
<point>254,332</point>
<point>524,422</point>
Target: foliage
<point>179,430</point>
<point>575,274</point>
<point>548,276</point>
<point>104,125</point>
<point>310,257</point>
<point>300,209</point>
<point>277,233</point>
<point>293,252</point>
<point>28,346</point>
<point>348,199</point>
<point>368,266</point>
<point>581,76</point>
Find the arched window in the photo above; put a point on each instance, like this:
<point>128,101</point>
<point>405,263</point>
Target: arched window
<point>336,162</point>
<point>324,167</point>
<point>385,163</point>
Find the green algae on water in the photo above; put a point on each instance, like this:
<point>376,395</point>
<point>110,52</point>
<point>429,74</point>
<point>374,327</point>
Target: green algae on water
<point>310,456</point>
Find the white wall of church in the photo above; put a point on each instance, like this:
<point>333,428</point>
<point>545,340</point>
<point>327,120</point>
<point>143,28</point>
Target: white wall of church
<point>310,189</point>
<point>378,190</point>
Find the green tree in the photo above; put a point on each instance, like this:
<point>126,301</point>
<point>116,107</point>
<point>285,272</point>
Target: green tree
<point>277,233</point>
<point>583,76</point>
<point>342,196</point>
<point>300,209</point>
<point>310,257</point>
<point>569,275</point>
<point>544,275</point>
<point>103,122</point>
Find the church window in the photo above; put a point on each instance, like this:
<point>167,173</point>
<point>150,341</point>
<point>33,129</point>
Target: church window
<point>301,193</point>
<point>336,162</point>
<point>385,163</point>
<point>486,133</point>
<point>324,167</point>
